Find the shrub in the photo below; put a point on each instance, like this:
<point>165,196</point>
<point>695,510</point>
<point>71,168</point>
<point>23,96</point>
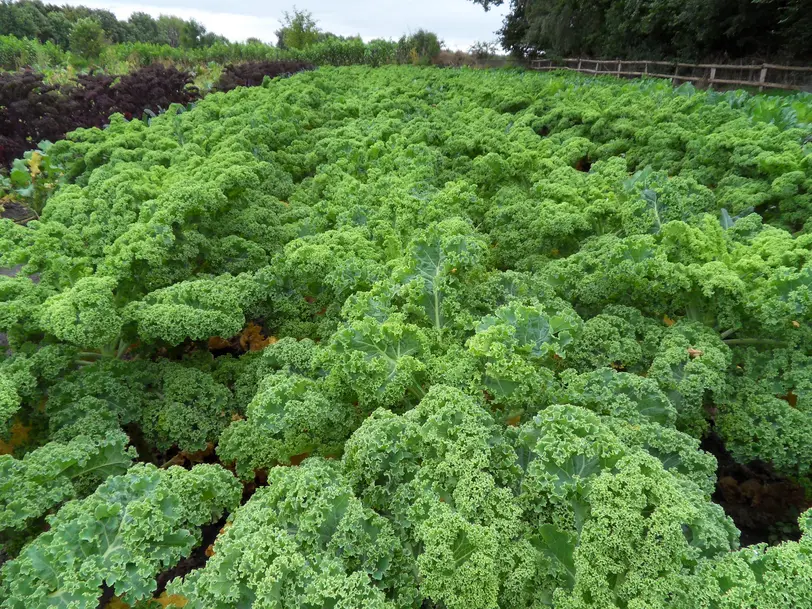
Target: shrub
<point>418,48</point>
<point>87,39</point>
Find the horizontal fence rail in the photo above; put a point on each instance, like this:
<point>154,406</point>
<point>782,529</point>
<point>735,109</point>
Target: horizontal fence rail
<point>796,78</point>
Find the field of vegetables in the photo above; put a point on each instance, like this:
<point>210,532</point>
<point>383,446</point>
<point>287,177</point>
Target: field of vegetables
<point>412,338</point>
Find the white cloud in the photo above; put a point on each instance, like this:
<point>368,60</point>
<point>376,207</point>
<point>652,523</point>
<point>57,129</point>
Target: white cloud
<point>459,23</point>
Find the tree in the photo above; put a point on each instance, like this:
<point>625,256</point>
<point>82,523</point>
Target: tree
<point>210,39</point>
<point>21,19</point>
<point>114,30</point>
<point>482,49</point>
<point>690,29</point>
<point>48,22</point>
<point>191,34</point>
<point>171,29</point>
<point>58,29</point>
<point>299,30</point>
<point>145,29</point>
<point>420,47</point>
<point>87,38</point>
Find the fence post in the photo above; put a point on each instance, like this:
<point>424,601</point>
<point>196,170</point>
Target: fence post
<point>645,70</point>
<point>579,64</point>
<point>763,78</point>
<point>712,77</point>
<point>619,64</point>
<point>676,72</point>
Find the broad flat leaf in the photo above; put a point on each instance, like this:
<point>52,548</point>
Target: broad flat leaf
<point>637,252</point>
<point>669,460</point>
<point>44,478</point>
<point>604,384</point>
<point>525,456</point>
<point>112,459</point>
<point>560,546</point>
<point>759,569</point>
<point>577,466</point>
<point>386,346</point>
<point>19,175</point>
<point>726,221</point>
<point>792,283</point>
<point>654,409</point>
<point>580,510</point>
<point>462,549</point>
<point>650,403</point>
<point>333,518</point>
<point>26,192</point>
<point>432,263</point>
<point>381,361</point>
<point>653,203</point>
<point>500,387</point>
<point>642,176</point>
<point>535,332</point>
<point>525,446</point>
<point>43,566</point>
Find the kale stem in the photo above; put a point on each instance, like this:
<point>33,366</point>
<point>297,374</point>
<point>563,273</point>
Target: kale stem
<point>727,333</point>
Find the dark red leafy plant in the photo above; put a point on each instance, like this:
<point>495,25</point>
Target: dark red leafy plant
<point>32,111</point>
<point>252,73</point>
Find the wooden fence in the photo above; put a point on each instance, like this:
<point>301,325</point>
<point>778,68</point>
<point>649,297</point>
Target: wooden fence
<point>763,76</point>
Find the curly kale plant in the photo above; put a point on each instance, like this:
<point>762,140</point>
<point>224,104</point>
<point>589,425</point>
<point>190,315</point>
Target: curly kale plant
<point>131,528</point>
<point>412,338</point>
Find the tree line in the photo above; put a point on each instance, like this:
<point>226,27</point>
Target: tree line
<point>86,32</point>
<point>300,30</point>
<point>666,29</point>
<point>84,29</point>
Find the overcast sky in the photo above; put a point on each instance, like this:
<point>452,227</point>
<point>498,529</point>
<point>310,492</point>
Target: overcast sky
<point>459,23</point>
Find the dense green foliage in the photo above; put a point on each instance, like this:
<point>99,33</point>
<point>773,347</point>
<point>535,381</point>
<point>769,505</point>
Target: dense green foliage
<point>503,310</point>
<point>131,528</point>
<point>658,28</point>
<point>420,48</point>
<point>58,25</point>
<point>89,37</point>
<point>299,30</point>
